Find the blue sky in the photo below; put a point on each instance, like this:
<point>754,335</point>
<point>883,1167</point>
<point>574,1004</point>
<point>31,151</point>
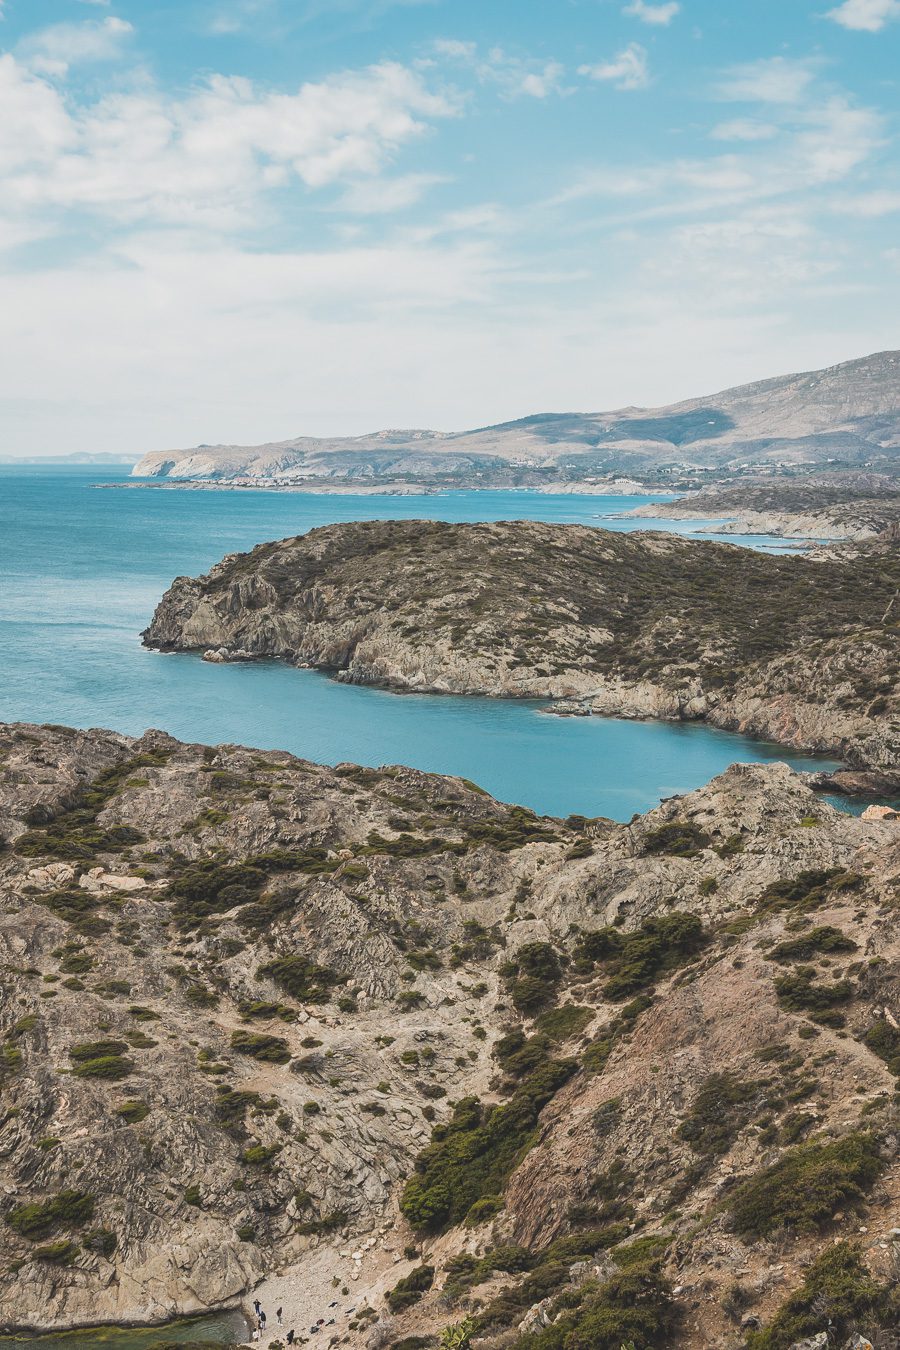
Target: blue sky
<point>241,220</point>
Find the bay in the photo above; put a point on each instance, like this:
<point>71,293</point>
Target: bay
<point>82,567</point>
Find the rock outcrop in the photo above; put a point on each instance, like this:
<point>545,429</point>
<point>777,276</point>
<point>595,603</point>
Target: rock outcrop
<point>525,1060</point>
<point>642,625</point>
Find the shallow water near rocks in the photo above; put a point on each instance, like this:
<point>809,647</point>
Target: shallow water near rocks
<point>83,566</point>
<point>224,1328</point>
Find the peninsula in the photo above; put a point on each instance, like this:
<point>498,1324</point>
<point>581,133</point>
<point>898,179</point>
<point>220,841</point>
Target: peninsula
<point>805,652</point>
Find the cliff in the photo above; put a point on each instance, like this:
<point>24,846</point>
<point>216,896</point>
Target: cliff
<point>802,652</point>
<point>424,1057</point>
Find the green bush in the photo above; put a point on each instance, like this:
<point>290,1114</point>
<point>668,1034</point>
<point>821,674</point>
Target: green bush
<point>678,839</point>
<point>809,944</point>
<point>473,1155</point>
<point>838,1294</point>
<point>799,992</point>
<point>884,1041</point>
<point>560,1024</point>
<point>210,887</point>
<point>101,1059</point>
<point>103,1241</point>
<point>410,1289</point>
<point>61,1253</point>
<point>636,960</point>
<point>548,1272</point>
<point>483,1209</point>
<point>301,978</point>
<point>132,1112</point>
<point>719,1112</point>
<point>533,976</point>
<point>66,1209</point>
<point>260,1155</point>
<point>807,1186</point>
<point>807,890</point>
<point>231,1106</point>
<point>72,832</point>
<point>601,1047</point>
<point>634,1307</point>
<point>270,1049</point>
<point>519,1055</point>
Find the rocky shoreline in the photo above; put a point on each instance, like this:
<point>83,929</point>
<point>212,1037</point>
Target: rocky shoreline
<point>248,1000</point>
<point>638,626</point>
<point>847,508</point>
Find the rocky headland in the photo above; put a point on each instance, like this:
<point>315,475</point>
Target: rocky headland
<point>858,508</point>
<point>804,652</point>
<point>438,1062</point>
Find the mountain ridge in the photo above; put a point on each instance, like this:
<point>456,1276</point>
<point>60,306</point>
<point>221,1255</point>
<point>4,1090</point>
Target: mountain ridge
<point>847,413</point>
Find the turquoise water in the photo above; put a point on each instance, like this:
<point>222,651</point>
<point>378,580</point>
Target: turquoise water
<point>82,568</point>
<point>219,1329</point>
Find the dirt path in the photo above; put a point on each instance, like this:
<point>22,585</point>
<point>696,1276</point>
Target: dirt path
<point>313,1289</point>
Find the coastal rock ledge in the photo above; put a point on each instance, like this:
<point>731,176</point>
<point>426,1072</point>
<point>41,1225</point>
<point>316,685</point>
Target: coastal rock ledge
<point>804,652</point>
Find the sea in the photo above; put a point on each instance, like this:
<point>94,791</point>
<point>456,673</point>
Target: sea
<point>83,563</point>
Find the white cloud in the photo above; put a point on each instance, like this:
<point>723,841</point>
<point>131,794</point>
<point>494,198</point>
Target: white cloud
<point>51,51</point>
<point>653,14</point>
<point>380,196</point>
<point>237,16</point>
<point>515,76</point>
<point>865,16</point>
<point>627,70</point>
<point>820,142</point>
<point>205,157</point>
<point>775,80</point>
<point>756,254</point>
<point>743,129</point>
<point>869,205</point>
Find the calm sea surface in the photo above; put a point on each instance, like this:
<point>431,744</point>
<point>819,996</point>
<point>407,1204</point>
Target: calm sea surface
<point>82,567</point>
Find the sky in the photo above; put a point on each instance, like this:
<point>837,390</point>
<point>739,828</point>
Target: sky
<point>244,220</point>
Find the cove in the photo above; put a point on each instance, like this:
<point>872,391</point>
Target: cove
<point>83,567</point>
<point>224,1328</point>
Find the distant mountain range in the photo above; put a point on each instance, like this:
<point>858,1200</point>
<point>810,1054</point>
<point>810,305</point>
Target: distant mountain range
<point>846,415</point>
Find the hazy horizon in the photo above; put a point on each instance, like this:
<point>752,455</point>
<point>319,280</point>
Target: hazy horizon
<point>248,220</point>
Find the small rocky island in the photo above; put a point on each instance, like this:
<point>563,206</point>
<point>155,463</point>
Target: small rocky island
<point>802,651</point>
<point>433,1061</point>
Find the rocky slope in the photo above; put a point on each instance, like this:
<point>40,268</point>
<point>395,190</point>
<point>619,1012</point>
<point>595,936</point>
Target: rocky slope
<point>552,1083</point>
<point>849,413</point>
<point>827,508</point>
<point>801,652</point>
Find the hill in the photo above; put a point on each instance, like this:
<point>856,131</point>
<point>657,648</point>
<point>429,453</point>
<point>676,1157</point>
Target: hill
<point>640,625</point>
<point>419,1058</point>
<point>847,414</point>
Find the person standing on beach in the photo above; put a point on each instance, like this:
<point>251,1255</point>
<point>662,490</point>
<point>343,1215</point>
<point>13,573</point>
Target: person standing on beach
<point>278,1312</point>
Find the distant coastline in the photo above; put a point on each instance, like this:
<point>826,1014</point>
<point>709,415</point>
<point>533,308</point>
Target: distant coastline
<point>331,488</point>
